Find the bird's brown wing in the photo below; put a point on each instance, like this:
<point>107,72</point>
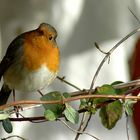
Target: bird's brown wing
<point>14,52</point>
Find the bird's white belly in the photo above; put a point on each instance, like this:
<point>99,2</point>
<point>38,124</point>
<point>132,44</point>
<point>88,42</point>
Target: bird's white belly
<point>22,79</point>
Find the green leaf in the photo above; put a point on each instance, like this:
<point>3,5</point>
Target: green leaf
<point>66,95</point>
<point>92,109</point>
<point>4,116</point>
<point>50,115</point>
<point>111,113</point>
<point>57,109</point>
<point>128,105</point>
<point>83,104</point>
<point>71,114</point>
<point>88,106</point>
<point>7,126</point>
<point>104,90</point>
<point>119,91</point>
<point>117,82</point>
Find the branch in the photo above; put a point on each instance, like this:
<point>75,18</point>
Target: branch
<point>134,15</point>
<point>127,129</point>
<point>80,132</point>
<point>31,119</point>
<point>23,102</point>
<point>13,136</point>
<point>74,96</point>
<point>110,52</point>
<point>62,79</point>
<point>101,65</point>
<point>40,119</point>
<point>131,84</point>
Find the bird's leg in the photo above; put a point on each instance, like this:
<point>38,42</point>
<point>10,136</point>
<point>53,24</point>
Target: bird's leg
<point>40,92</point>
<point>16,108</point>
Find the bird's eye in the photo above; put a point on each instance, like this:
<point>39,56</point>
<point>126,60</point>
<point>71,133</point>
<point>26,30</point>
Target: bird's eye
<point>50,37</point>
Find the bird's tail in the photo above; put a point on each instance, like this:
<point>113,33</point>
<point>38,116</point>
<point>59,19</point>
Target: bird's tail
<point>4,94</point>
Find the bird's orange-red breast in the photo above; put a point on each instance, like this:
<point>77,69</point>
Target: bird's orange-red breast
<point>31,61</point>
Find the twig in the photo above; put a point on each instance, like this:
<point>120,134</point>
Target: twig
<point>81,124</point>
<point>134,15</point>
<point>76,130</point>
<point>13,136</point>
<point>131,84</point>
<point>127,129</point>
<point>42,118</point>
<point>110,52</point>
<point>23,102</point>
<point>40,93</point>
<point>62,79</point>
<point>97,46</point>
<point>33,120</point>
<point>84,115</point>
<point>101,64</point>
<point>78,94</point>
<point>88,119</point>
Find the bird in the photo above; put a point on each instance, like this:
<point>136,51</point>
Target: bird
<point>31,61</point>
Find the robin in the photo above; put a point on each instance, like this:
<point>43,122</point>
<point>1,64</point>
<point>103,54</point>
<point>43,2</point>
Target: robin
<point>31,61</point>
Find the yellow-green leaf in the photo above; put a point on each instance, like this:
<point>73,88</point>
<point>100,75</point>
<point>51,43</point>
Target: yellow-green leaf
<point>71,114</point>
<point>128,106</point>
<point>111,113</point>
<point>104,90</point>
<point>117,82</point>
<point>66,95</point>
<point>57,109</point>
<point>4,116</point>
<point>83,104</point>
<point>119,91</point>
<point>50,115</point>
